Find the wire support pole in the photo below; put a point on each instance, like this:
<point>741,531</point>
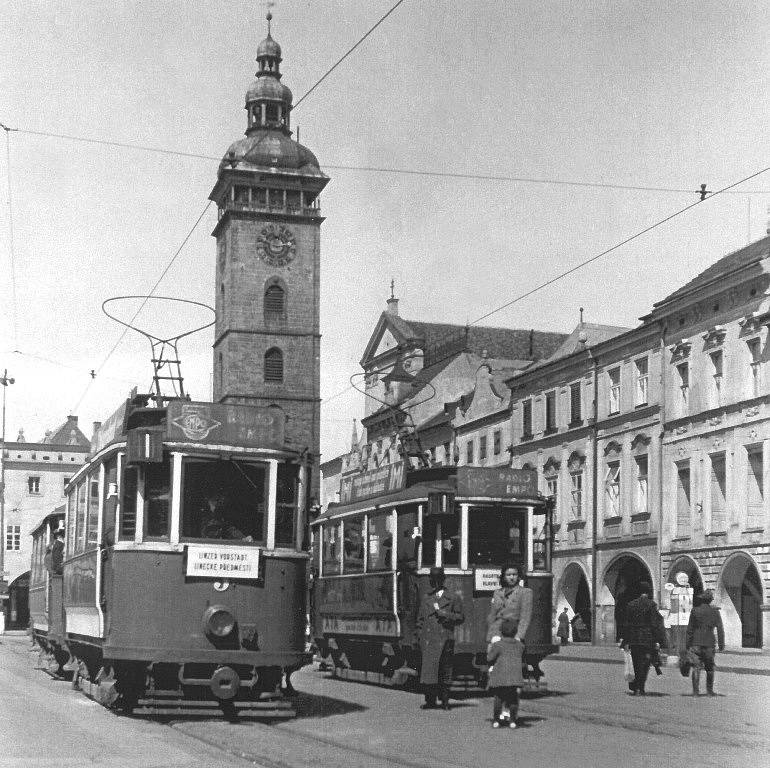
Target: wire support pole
<point>11,238</point>
<point>5,381</point>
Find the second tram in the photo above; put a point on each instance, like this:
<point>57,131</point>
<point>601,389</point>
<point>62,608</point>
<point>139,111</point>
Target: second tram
<point>469,520</point>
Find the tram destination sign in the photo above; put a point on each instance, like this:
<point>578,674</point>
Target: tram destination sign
<point>497,482</point>
<point>376,482</point>
<point>226,424</point>
<point>217,562</point>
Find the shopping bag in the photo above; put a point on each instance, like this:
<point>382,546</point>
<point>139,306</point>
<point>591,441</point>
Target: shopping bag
<point>628,666</point>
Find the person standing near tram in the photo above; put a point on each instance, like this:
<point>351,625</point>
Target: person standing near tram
<point>511,601</point>
<point>440,613</point>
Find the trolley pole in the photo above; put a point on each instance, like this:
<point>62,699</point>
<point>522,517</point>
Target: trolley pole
<point>6,382</point>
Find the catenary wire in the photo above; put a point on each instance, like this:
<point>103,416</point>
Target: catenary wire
<point>11,238</point>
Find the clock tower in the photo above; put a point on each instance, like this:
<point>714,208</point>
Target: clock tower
<point>267,340</point>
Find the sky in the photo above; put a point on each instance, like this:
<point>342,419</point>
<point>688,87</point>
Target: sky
<point>652,94</point>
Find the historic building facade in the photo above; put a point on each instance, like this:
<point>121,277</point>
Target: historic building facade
<point>35,477</point>
<point>267,334</point>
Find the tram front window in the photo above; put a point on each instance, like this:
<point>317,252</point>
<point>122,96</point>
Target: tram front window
<point>444,531</point>
<point>223,500</point>
<point>496,535</point>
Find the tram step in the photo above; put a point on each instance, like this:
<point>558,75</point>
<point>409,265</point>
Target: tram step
<point>162,706</point>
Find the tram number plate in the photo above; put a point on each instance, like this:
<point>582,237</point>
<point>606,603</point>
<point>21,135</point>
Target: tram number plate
<point>486,579</point>
<point>218,562</point>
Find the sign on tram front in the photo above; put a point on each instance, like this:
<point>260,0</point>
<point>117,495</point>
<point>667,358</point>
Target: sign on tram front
<point>497,482</point>
<point>217,562</point>
<point>376,482</point>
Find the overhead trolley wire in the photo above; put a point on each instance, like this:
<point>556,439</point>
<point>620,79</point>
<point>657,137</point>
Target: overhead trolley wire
<point>11,238</point>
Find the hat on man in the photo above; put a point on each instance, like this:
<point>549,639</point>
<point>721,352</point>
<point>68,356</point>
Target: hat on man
<point>437,573</point>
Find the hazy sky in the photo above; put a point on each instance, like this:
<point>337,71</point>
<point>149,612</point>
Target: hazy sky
<point>634,93</point>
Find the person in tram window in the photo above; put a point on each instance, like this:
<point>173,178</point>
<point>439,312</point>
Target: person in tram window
<point>57,552</point>
<point>215,524</point>
<point>440,613</point>
<point>512,601</point>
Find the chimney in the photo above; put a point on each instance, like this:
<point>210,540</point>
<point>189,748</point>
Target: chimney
<point>73,419</point>
<point>531,343</point>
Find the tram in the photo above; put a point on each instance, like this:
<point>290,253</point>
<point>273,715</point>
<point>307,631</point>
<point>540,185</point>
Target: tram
<point>45,594</point>
<point>469,520</point>
<point>185,568</point>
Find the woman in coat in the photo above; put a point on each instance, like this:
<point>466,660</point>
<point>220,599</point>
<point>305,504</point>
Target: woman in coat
<point>511,601</point>
<point>440,613</point>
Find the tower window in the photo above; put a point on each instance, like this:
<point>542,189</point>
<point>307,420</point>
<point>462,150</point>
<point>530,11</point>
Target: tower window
<point>275,300</point>
<point>272,113</point>
<point>274,365</point>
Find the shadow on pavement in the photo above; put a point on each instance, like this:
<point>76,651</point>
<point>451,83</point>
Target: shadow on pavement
<point>312,705</point>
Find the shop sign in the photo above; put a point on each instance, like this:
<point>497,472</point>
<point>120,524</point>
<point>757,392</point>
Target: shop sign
<point>376,482</point>
<point>486,579</point>
<point>222,562</point>
<point>497,482</point>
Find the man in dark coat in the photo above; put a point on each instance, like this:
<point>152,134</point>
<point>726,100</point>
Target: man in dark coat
<point>57,552</point>
<point>642,634</point>
<point>704,619</point>
<point>440,613</point>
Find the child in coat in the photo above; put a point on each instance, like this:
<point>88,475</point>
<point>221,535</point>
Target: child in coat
<point>505,677</point>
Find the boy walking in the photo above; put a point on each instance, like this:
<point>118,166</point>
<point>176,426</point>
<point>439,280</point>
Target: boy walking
<point>505,678</point>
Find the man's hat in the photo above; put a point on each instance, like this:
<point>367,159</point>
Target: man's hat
<point>436,572</point>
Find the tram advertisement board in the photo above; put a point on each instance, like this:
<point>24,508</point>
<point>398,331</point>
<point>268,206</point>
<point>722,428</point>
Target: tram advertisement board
<point>342,625</point>
<point>370,594</point>
<point>225,423</point>
<point>375,482</point>
<point>497,482</point>
<point>218,562</point>
<point>486,579</point>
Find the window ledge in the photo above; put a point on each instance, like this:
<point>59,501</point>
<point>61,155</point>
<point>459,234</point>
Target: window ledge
<point>614,520</point>
<point>550,431</point>
<point>640,517</point>
<point>573,524</point>
<point>527,437</point>
<point>716,533</point>
<point>613,413</point>
<point>575,424</point>
<point>641,405</point>
<point>681,538</point>
<point>759,529</point>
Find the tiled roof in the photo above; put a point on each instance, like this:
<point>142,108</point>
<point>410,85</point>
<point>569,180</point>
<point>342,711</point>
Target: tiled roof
<point>68,434</point>
<point>743,257</point>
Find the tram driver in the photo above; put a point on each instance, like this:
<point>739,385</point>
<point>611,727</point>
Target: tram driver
<point>214,522</point>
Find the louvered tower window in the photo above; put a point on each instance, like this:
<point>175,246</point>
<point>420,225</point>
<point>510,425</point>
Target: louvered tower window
<point>275,300</point>
<point>274,365</point>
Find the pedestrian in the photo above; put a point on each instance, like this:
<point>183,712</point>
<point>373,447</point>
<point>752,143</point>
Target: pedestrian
<point>563,631</point>
<point>57,552</point>
<point>642,634</point>
<point>512,601</point>
<point>578,629</point>
<point>440,612</point>
<point>704,619</point>
<point>505,677</point>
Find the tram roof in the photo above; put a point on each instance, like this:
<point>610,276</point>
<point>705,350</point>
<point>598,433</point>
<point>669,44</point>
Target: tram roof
<point>59,511</point>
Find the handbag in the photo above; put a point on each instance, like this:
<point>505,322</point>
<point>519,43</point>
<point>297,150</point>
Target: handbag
<point>628,667</point>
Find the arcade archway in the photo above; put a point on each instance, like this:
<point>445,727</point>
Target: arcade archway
<point>739,596</point>
<point>17,614</point>
<point>686,565</point>
<point>574,595</point>
<point>619,586</point>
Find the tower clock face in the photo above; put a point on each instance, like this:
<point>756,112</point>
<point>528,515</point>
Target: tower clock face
<point>276,245</point>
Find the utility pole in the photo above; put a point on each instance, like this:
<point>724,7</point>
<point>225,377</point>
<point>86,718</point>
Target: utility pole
<point>6,382</point>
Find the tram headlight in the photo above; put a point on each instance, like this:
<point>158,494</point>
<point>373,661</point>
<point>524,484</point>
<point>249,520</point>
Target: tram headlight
<point>218,621</point>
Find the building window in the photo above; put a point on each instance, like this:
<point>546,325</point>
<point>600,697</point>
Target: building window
<point>33,484</point>
<point>642,379</point>
<point>12,538</point>
<point>612,488</point>
<point>275,301</point>
<point>614,399</point>
<point>755,489</point>
<point>550,411</point>
<point>64,487</point>
<point>482,447</point>
<point>683,501</point>
<point>274,365</point>
<point>526,419</point>
<point>718,495</point>
<point>683,369</point>
<point>497,442</point>
<point>575,404</point>
<point>641,502</point>
<point>716,363</point>
<point>755,383</point>
<point>576,505</point>
<point>469,452</point>
<point>447,454</point>
<point>552,489</point>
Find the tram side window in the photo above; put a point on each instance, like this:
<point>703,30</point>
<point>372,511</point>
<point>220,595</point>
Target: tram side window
<point>109,500</point>
<point>80,535</point>
<point>157,484</point>
<point>541,541</point>
<point>128,503</point>
<point>71,522</point>
<point>407,543</point>
<point>380,542</point>
<point>496,536</point>
<point>223,500</point>
<point>331,549</point>
<point>93,511</point>
<point>446,530</point>
<point>286,506</point>
<point>353,546</point>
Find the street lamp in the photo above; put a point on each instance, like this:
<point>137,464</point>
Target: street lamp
<point>6,381</point>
